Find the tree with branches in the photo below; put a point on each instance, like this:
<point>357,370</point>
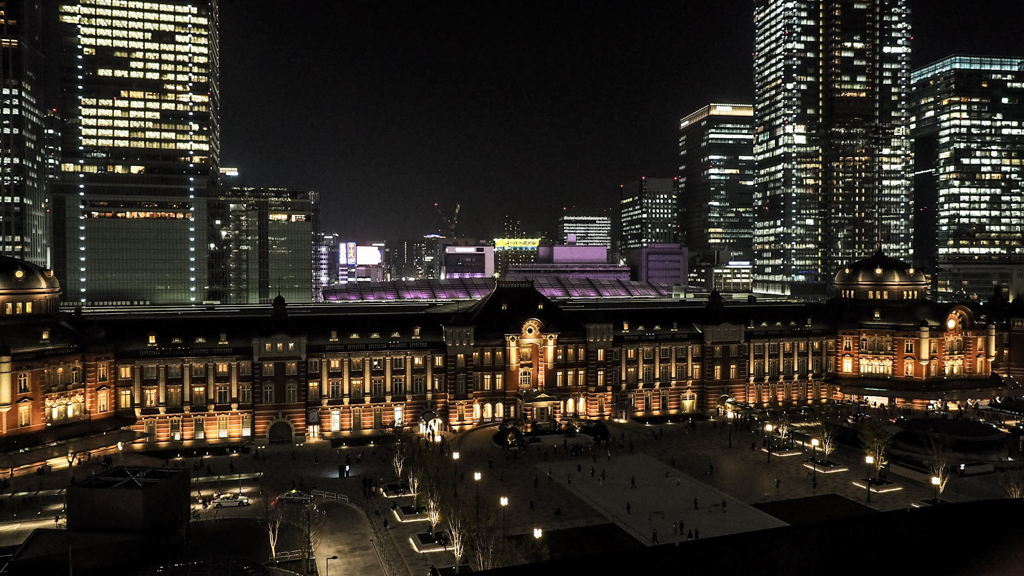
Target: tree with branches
<point>877,439</point>
<point>938,465</point>
<point>270,516</point>
<point>827,435</point>
<point>414,481</point>
<point>433,508</point>
<point>457,531</point>
<point>398,458</point>
<point>1013,484</point>
<point>783,426</point>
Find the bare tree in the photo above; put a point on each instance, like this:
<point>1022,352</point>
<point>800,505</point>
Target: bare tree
<point>877,439</point>
<point>457,530</point>
<point>414,481</point>
<point>783,426</point>
<point>827,435</point>
<point>485,543</point>
<point>433,508</point>
<point>398,458</point>
<point>1013,484</point>
<point>939,465</point>
<point>270,515</point>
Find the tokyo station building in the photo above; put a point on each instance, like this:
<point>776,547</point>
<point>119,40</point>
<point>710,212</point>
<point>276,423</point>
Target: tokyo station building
<point>85,380</point>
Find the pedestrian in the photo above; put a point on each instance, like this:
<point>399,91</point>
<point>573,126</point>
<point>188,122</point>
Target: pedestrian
<point>628,508</point>
<point>689,535</point>
<point>675,529</point>
<point>609,454</point>
<point>630,445</point>
<point>696,534</point>
<point>681,527</point>
<point>531,505</point>
<point>591,471</point>
<point>723,505</point>
<point>632,481</point>
<point>654,537</point>
<point>777,482</point>
<point>490,462</point>
<point>569,480</point>
<point>679,481</point>
<point>711,467</point>
<point>694,503</point>
<point>579,469</point>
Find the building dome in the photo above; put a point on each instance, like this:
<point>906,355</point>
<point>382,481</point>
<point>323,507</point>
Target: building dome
<point>881,278</point>
<point>26,288</point>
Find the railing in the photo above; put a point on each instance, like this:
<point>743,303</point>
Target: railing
<point>388,554</point>
<point>329,495</point>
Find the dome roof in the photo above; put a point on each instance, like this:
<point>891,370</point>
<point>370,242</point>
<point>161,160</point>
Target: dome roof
<point>17,276</point>
<point>880,270</point>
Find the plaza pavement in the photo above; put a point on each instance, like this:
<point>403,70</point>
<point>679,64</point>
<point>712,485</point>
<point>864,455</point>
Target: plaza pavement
<point>662,496</point>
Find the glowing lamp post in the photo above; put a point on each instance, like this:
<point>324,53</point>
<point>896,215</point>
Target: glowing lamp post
<point>328,571</point>
<point>476,479</point>
<point>537,533</point>
<point>120,450</point>
<point>504,504</point>
<point>768,435</point>
<point>814,459</point>
<point>869,460</point>
<point>936,481</point>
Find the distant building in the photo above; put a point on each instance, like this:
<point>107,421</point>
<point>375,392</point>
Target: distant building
<point>968,129</point>
<point>659,264</point>
<point>326,260</point>
<point>264,241</point>
<point>648,213</point>
<point>468,262</point>
<point>716,182</point>
<point>585,230</point>
<point>24,219</point>
<point>831,139</point>
<point>141,149</point>
<point>511,252</point>
<point>570,261</point>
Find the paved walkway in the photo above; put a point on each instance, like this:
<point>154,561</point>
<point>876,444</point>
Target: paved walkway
<point>661,497</point>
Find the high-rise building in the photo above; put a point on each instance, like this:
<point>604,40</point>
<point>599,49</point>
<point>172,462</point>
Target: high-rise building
<point>648,213</point>
<point>24,219</point>
<point>585,229</point>
<point>267,237</point>
<point>139,101</point>
<point>968,129</point>
<point>716,182</point>
<point>831,138</point>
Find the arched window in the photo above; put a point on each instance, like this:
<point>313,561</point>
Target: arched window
<point>476,411</point>
<point>499,410</point>
<point>487,411</point>
<point>570,406</point>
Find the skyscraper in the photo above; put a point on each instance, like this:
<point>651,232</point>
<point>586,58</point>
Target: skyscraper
<point>139,100</point>
<point>968,128</point>
<point>586,229</point>
<point>23,208</point>
<point>716,182</point>
<point>831,138</point>
<point>648,213</point>
<point>267,238</point>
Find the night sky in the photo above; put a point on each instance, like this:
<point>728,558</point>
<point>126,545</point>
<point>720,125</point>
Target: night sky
<point>505,107</point>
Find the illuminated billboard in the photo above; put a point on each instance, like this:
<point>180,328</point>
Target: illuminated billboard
<point>350,253</point>
<point>516,243</point>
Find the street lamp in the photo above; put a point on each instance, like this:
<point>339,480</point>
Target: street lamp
<point>814,459</point>
<point>768,434</point>
<point>504,504</point>
<point>537,533</point>
<point>936,481</point>
<point>476,477</point>
<point>120,450</point>
<point>328,571</point>
<point>869,460</point>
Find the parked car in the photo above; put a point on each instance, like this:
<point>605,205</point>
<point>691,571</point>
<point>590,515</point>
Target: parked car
<point>854,418</point>
<point>222,500</point>
<point>295,497</point>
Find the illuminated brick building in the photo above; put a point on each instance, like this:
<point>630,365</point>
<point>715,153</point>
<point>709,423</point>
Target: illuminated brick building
<point>185,376</point>
<point>139,100</point>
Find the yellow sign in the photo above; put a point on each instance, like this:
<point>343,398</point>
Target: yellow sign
<point>516,243</point>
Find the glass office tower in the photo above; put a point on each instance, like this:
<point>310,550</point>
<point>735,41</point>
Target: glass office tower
<point>139,100</point>
<point>586,229</point>
<point>831,139</point>
<point>23,208</point>
<point>968,129</point>
<point>716,182</point>
<point>648,213</point>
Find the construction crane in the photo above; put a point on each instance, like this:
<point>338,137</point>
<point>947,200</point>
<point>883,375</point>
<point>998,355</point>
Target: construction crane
<point>450,222</point>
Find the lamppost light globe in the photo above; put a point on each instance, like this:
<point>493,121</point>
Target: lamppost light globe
<point>455,455</point>
<point>537,532</point>
<point>936,480</point>
<point>814,442</point>
<point>476,476</point>
<point>504,501</point>
<point>768,427</point>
